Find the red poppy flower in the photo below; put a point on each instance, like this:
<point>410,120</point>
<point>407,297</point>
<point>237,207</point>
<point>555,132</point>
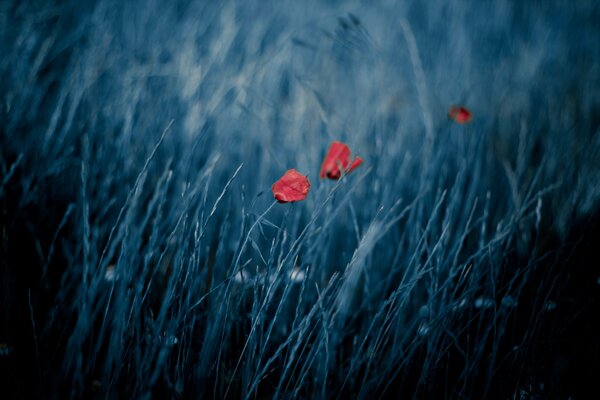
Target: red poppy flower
<point>460,114</point>
<point>338,156</point>
<point>292,186</point>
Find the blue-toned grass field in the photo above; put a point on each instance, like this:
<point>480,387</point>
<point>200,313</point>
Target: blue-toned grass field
<point>142,252</point>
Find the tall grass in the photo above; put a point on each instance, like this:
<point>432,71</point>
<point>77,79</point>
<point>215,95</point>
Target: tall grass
<point>144,257</point>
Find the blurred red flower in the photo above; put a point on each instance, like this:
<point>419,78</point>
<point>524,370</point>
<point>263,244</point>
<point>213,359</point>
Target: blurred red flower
<point>460,114</point>
<point>338,156</point>
<point>292,186</point>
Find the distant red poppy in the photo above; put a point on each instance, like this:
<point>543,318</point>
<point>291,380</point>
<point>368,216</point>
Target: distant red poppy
<point>338,156</point>
<point>292,186</point>
<point>460,114</point>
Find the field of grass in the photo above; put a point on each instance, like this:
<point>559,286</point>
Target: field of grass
<point>143,255</point>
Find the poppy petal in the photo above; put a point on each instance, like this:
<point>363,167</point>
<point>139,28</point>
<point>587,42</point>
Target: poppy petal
<point>338,153</point>
<point>357,161</point>
<point>337,160</point>
<point>292,186</point>
<point>460,114</point>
